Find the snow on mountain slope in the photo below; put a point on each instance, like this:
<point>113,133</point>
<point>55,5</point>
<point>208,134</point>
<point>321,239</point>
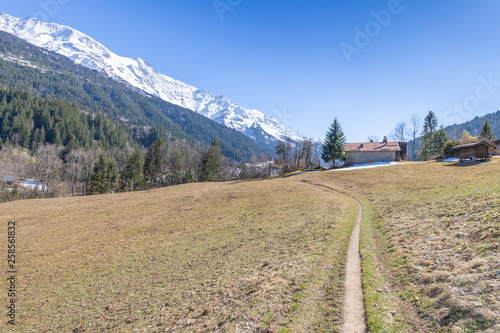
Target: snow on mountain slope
<point>139,74</point>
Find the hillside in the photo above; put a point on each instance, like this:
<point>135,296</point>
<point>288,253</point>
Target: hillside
<point>31,122</point>
<point>474,126</point>
<point>190,258</point>
<point>85,51</point>
<point>49,75</point>
<point>430,245</point>
<point>266,255</point>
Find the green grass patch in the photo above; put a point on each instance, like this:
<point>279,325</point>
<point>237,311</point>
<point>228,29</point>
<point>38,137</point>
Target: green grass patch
<point>378,303</point>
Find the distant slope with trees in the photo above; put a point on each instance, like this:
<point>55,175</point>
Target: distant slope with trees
<point>474,126</point>
<point>31,122</point>
<point>455,133</point>
<point>49,75</point>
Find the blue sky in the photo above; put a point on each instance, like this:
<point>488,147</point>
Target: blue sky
<point>371,64</point>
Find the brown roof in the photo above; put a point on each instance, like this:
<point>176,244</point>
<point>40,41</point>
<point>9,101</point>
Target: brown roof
<point>372,146</point>
<point>474,144</point>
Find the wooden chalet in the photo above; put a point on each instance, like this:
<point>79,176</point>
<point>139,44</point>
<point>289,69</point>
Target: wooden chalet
<point>369,152</point>
<point>475,151</point>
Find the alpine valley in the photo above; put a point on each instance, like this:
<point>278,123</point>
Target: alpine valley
<point>142,77</point>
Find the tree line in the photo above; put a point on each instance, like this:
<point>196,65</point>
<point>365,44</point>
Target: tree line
<point>432,138</point>
<point>292,156</point>
<point>307,153</point>
<point>97,171</point>
<point>433,141</point>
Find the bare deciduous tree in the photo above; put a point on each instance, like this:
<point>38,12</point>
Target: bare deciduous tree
<point>47,166</point>
<point>284,155</point>
<point>78,168</point>
<point>307,147</point>
<point>415,123</point>
<point>400,132</point>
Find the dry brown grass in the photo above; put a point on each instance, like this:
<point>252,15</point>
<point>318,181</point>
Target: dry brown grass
<point>193,258</point>
<point>265,255</point>
<point>438,245</point>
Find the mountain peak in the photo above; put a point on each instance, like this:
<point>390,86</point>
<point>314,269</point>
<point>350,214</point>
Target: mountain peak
<point>139,74</point>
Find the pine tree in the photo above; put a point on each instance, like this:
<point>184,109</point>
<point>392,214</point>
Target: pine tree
<point>103,177</point>
<point>188,178</point>
<point>448,150</point>
<point>486,132</point>
<point>155,163</point>
<point>333,146</point>
<point>212,164</point>
<point>131,177</point>
<point>244,172</point>
<point>428,143</point>
<point>440,139</point>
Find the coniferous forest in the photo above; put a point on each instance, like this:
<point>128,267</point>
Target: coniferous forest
<point>51,148</point>
<point>47,75</point>
<point>68,130</point>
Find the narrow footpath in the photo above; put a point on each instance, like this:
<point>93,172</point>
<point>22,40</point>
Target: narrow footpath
<point>353,314</point>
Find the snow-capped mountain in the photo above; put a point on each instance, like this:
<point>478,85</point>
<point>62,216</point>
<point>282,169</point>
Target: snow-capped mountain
<point>139,74</point>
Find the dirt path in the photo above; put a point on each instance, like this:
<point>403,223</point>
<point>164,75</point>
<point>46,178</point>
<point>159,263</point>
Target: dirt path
<point>353,315</point>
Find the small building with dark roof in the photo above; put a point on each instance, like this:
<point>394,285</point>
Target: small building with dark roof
<point>369,152</point>
<point>9,179</point>
<point>473,151</point>
<point>496,152</point>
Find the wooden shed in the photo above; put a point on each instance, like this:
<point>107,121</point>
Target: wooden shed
<point>497,150</point>
<point>474,151</point>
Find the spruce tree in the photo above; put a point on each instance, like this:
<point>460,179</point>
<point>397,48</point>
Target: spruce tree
<point>440,139</point>
<point>486,132</point>
<point>188,178</point>
<point>333,145</point>
<point>428,139</point>
<point>131,177</point>
<point>155,163</point>
<point>244,172</point>
<point>103,177</point>
<point>212,164</point>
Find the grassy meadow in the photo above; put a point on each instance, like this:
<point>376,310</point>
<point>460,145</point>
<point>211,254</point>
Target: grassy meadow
<point>265,256</point>
<point>256,256</point>
<point>430,244</point>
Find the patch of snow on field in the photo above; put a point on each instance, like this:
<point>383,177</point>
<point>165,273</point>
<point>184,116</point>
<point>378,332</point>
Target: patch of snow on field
<point>451,159</point>
<point>367,166</point>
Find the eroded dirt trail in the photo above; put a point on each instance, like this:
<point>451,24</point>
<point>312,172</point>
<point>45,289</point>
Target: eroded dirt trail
<point>353,315</point>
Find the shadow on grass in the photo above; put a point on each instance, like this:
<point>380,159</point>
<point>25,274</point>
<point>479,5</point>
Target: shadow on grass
<point>466,164</point>
<point>473,321</point>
